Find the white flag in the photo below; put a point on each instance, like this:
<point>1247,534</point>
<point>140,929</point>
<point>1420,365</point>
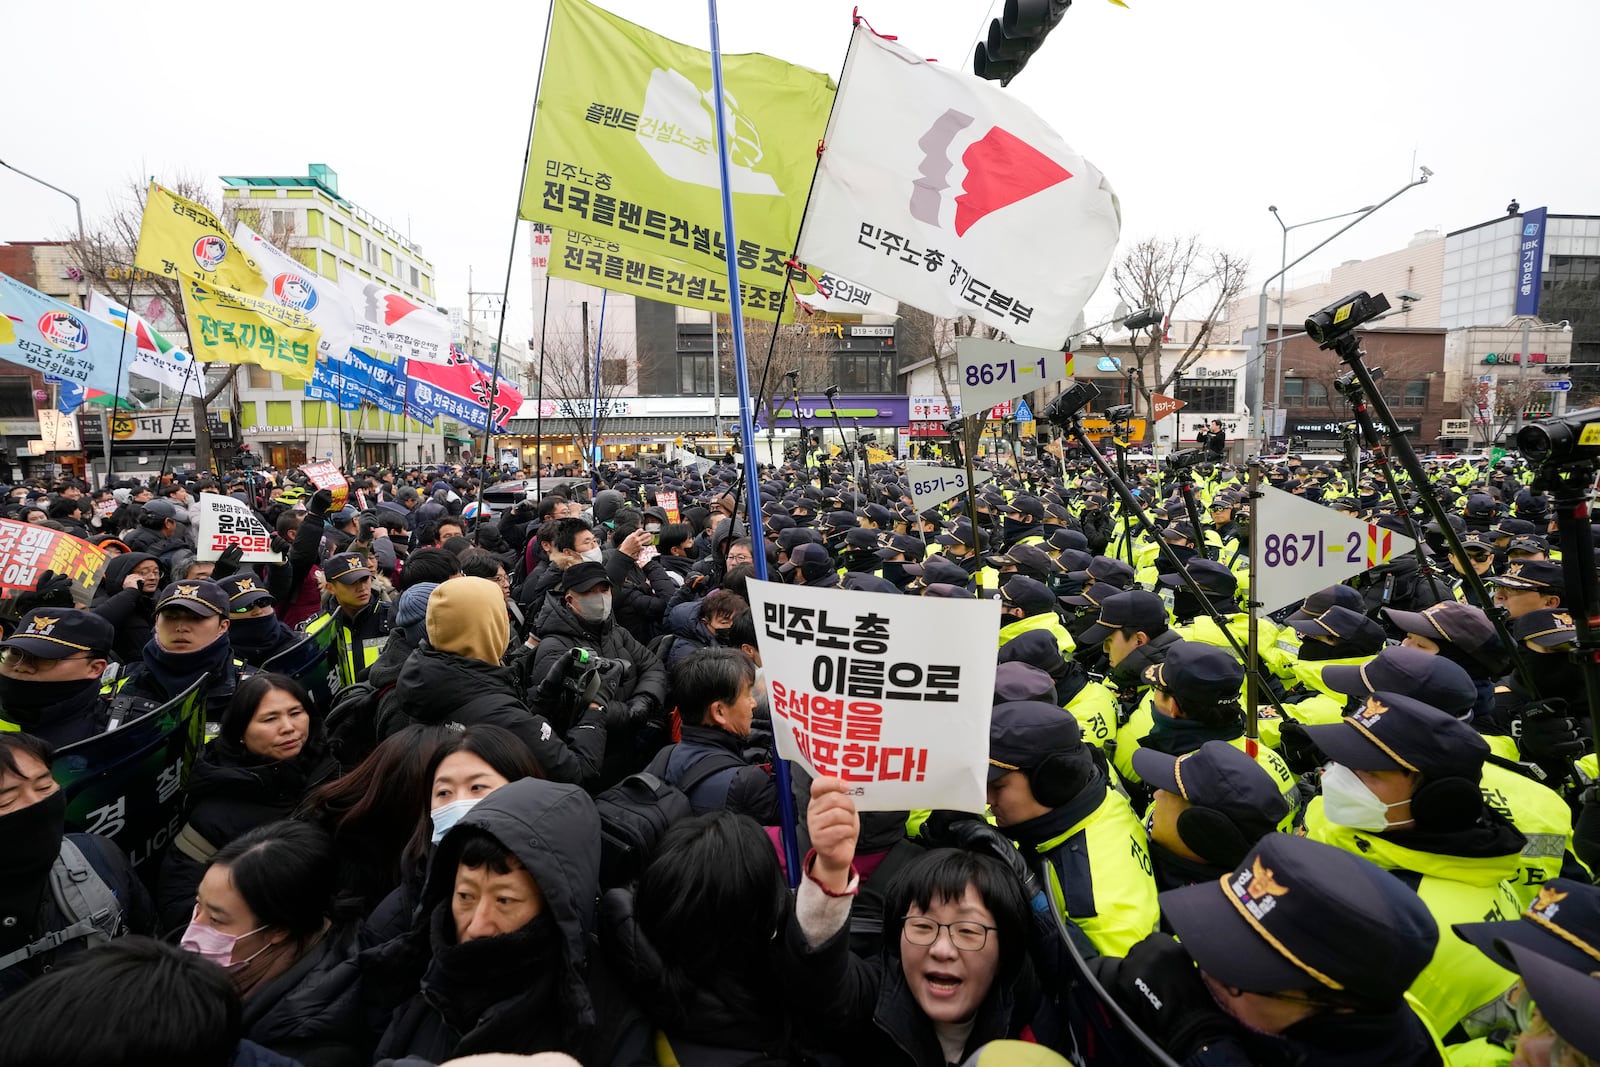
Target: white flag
<point>293,283</point>
<point>151,355</point>
<point>845,297</point>
<point>395,325</point>
<point>942,191</point>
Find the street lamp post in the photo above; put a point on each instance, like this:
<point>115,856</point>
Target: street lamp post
<point>1283,281</point>
<point>1258,358</point>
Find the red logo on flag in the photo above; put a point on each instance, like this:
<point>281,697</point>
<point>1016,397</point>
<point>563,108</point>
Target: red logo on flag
<point>1001,170</point>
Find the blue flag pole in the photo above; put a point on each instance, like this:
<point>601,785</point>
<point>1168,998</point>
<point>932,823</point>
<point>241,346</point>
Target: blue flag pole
<point>752,477</point>
<point>593,458</point>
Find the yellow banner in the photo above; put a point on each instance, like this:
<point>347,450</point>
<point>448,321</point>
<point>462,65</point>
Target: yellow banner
<point>624,269</point>
<point>231,327</point>
<point>624,146</point>
<point>180,238</point>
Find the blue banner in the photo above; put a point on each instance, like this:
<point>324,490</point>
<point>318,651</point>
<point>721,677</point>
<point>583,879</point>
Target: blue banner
<point>342,383</point>
<point>43,334</point>
<point>1530,261</point>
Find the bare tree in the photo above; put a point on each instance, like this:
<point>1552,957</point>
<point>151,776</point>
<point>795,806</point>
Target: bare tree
<point>1187,279</point>
<point>569,382</point>
<point>104,255</point>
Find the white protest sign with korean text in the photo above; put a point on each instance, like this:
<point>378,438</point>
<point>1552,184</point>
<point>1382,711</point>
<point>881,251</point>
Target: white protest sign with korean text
<point>892,694</point>
<point>931,485</point>
<point>225,521</point>
<point>1306,547</point>
<point>992,371</point>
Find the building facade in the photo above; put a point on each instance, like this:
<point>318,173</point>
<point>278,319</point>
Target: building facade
<point>335,238</point>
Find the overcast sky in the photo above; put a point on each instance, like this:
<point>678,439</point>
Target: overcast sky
<point>1201,112</point>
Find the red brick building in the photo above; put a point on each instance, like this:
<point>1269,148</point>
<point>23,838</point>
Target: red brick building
<point>1412,361</point>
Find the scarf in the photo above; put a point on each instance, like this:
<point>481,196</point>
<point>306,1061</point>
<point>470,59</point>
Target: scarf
<point>466,979</point>
<point>30,840</point>
<point>176,671</point>
<point>254,638</point>
<point>25,702</point>
<point>1179,737</point>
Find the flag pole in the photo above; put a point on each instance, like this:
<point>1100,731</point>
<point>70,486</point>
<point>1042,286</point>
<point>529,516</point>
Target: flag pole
<point>752,478</point>
<point>538,410</point>
<point>594,434</point>
<point>108,420</point>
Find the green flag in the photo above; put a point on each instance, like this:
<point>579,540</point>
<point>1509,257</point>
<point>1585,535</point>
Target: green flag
<point>1496,455</point>
<point>624,145</point>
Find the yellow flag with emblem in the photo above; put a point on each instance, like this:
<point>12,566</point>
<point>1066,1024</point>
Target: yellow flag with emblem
<point>231,317</point>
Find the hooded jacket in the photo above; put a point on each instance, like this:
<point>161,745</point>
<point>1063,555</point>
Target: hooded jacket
<point>313,1012</point>
<point>569,1005</point>
<point>131,611</point>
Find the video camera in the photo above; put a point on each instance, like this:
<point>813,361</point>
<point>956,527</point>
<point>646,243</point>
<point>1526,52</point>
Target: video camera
<point>1333,322</point>
<point>574,678</point>
<point>1064,408</point>
<point>1573,438</point>
<point>1178,461</point>
<point>1346,384</point>
<point>1120,413</point>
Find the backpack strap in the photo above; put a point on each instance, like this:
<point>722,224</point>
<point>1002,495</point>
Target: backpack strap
<point>708,767</point>
<point>82,896</point>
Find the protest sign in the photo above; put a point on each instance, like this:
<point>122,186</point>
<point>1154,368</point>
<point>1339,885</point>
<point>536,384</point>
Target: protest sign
<point>127,784</point>
<point>1306,547</point>
<point>28,550</point>
<point>325,475</point>
<point>668,502</point>
<point>225,521</point>
<point>932,485</point>
<point>995,371</point>
<point>890,694</point>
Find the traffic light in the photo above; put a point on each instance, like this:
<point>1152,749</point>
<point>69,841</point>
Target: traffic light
<point>1015,36</point>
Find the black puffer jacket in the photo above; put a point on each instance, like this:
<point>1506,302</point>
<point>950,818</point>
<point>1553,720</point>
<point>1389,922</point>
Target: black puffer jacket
<point>560,631</point>
<point>537,989</point>
<point>313,1012</point>
<point>435,687</point>
<point>230,791</point>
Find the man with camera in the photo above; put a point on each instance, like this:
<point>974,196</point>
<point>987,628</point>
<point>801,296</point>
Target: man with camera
<point>1214,440</point>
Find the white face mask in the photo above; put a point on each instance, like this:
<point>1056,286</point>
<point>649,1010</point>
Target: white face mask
<point>448,815</point>
<point>1347,801</point>
<point>593,555</point>
<point>592,608</point>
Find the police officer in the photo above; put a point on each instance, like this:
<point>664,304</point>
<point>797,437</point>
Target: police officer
<point>1300,955</point>
<point>50,671</point>
<point>254,629</point>
<point>360,621</point>
<point>1210,808</point>
<point>1402,789</point>
<point>963,546</point>
<point>1025,605</point>
<point>1049,793</point>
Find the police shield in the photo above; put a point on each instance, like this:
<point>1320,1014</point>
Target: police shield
<point>127,784</point>
<point>311,662</point>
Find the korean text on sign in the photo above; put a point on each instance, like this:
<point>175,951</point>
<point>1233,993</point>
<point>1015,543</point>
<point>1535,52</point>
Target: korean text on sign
<point>890,694</point>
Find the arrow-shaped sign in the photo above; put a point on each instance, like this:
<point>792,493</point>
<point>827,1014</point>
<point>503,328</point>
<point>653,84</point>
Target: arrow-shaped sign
<point>931,485</point>
<point>1166,405</point>
<point>1306,547</point>
<point>992,371</point>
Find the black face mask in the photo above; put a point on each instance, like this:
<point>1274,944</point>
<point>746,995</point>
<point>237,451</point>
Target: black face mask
<point>1012,528</point>
<point>23,702</point>
<point>1173,871</point>
<point>896,572</point>
<point>1006,576</point>
<point>861,560</point>
<point>30,839</point>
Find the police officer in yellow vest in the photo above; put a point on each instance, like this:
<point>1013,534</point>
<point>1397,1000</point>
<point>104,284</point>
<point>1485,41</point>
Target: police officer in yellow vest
<point>963,547</point>
<point>50,671</point>
<point>1403,790</point>
<point>1022,521</point>
<point>1049,793</point>
<point>360,621</point>
<point>1027,604</point>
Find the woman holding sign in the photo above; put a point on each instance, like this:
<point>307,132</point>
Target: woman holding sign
<point>949,983</point>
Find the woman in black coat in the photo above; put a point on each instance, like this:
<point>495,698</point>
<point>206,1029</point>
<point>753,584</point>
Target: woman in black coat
<point>267,757</point>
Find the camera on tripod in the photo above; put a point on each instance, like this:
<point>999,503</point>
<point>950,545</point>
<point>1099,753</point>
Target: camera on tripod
<point>1064,408</point>
<point>1120,413</point>
<point>1346,384</point>
<point>1182,461</point>
<point>1328,326</point>
<point>1573,438</point>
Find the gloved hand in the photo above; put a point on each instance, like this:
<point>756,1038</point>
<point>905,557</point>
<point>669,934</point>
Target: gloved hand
<point>1297,749</point>
<point>227,562</point>
<point>53,591</point>
<point>321,501</point>
<point>1546,734</point>
<point>280,545</point>
<point>1159,987</point>
<point>976,835</point>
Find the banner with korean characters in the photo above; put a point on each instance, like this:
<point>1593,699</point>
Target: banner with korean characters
<point>225,521</point>
<point>28,550</point>
<point>890,694</point>
<point>668,502</point>
<point>127,784</point>
<point>1306,547</point>
<point>931,485</point>
<point>325,475</point>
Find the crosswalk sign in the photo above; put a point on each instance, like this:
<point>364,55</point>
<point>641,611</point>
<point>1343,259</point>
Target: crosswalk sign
<point>1022,413</point>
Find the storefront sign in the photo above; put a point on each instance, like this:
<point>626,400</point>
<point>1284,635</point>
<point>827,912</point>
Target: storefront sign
<point>160,425</point>
<point>1335,427</point>
<point>616,407</point>
<point>819,411</point>
<point>1530,261</point>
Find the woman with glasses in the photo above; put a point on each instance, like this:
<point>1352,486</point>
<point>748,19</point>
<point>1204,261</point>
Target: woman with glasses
<point>953,978</point>
<point>267,758</point>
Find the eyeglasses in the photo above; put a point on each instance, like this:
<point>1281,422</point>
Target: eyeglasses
<point>503,581</point>
<point>28,659</point>
<point>966,936</point>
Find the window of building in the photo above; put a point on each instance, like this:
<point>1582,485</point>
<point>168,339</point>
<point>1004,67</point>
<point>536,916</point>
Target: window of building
<point>414,279</point>
<point>373,251</point>
<point>388,263</point>
<point>1207,394</point>
<point>1416,394</point>
<point>259,377</point>
<point>613,372</point>
<point>336,232</point>
<point>1294,392</point>
<point>1316,394</point>
<point>280,413</point>
<point>864,372</point>
<point>16,397</point>
<point>694,374</point>
<point>282,221</point>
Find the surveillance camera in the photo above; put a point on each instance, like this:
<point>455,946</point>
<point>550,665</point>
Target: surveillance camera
<point>1408,296</point>
<point>1426,172</point>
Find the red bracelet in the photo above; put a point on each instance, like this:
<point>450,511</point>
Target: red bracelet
<point>852,884</point>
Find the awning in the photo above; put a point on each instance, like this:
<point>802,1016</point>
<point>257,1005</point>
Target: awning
<point>667,426</point>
